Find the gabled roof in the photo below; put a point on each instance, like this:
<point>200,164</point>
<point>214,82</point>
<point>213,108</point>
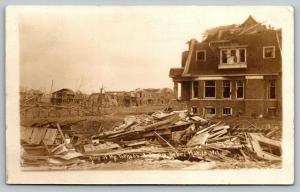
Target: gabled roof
<point>250,25</point>
<point>250,21</point>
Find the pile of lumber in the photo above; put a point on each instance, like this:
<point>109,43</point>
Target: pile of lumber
<point>161,135</point>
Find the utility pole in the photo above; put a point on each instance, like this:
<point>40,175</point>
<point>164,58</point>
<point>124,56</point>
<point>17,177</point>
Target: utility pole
<point>100,98</point>
<point>51,86</point>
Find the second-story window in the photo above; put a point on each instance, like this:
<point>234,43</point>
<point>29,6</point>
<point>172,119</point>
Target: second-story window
<point>233,56</point>
<point>201,55</point>
<point>210,89</point>
<point>240,89</point>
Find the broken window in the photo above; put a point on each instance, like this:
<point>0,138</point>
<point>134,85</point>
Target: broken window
<point>239,89</point>
<point>272,89</point>
<point>194,110</point>
<point>242,55</point>
<point>224,56</point>
<point>210,110</point>
<point>227,111</point>
<point>210,88</point>
<point>269,52</point>
<point>226,89</point>
<point>195,89</point>
<point>200,55</point>
<point>233,56</point>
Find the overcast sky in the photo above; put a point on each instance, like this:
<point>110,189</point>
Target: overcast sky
<point>121,48</point>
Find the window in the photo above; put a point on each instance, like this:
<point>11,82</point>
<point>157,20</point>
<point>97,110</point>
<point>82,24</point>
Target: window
<point>272,111</point>
<point>201,55</point>
<point>227,111</point>
<point>226,89</point>
<point>239,89</point>
<point>210,89</point>
<point>233,56</point>
<point>242,55</point>
<point>195,89</point>
<point>209,110</point>
<point>269,52</point>
<point>194,110</point>
<point>272,89</point>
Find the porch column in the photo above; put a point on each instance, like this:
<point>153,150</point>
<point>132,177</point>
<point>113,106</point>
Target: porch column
<point>175,90</point>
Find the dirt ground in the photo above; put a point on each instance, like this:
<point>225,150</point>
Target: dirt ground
<point>136,165</point>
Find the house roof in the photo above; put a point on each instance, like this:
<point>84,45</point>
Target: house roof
<point>35,92</point>
<point>250,21</point>
<point>65,90</point>
<point>250,25</point>
<point>174,72</point>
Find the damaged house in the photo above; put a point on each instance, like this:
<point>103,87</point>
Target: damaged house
<point>235,70</point>
<point>63,96</point>
<point>154,96</point>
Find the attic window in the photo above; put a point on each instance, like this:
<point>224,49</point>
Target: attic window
<point>201,55</point>
<point>269,52</point>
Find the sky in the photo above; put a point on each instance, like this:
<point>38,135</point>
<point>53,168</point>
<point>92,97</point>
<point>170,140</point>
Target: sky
<point>119,48</point>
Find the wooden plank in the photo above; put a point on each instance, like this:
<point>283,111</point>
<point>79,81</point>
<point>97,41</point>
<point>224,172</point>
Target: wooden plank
<point>37,135</point>
<point>161,138</point>
<point>26,133</point>
<point>50,136</point>
<point>199,139</point>
<point>61,133</point>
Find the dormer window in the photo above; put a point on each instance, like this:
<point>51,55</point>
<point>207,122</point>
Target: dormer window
<point>269,52</point>
<point>233,56</point>
<point>201,55</point>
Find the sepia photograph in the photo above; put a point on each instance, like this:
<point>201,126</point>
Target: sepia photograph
<point>192,91</point>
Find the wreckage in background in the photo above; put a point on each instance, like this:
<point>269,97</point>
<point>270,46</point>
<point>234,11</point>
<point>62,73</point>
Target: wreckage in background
<point>174,135</point>
<point>66,102</point>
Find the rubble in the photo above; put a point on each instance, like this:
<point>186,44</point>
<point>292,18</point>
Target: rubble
<point>162,135</point>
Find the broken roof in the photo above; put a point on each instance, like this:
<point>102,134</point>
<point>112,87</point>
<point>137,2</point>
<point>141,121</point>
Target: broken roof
<point>250,25</point>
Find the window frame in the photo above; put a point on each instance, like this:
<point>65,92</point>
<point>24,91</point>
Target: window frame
<point>275,109</point>
<point>236,90</point>
<point>209,86</point>
<point>266,47</point>
<point>230,89</point>
<point>194,107</point>
<point>227,108</point>
<point>230,49</point>
<point>201,50</point>
<point>269,88</point>
<point>193,92</point>
<point>209,107</point>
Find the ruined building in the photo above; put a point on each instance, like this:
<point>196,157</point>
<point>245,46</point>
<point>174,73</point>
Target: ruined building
<point>234,70</point>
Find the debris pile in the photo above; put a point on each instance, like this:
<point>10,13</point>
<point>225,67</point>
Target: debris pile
<point>175,135</point>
